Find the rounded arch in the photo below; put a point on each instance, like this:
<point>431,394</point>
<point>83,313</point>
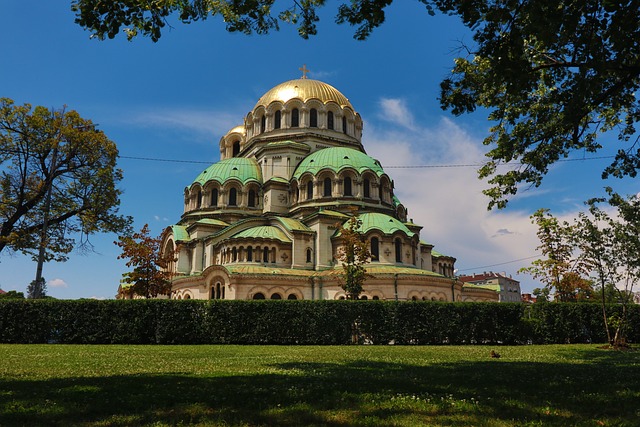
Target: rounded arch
<point>294,292</point>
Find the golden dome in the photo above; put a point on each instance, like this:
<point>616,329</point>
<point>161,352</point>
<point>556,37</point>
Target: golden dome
<point>238,129</point>
<point>304,90</point>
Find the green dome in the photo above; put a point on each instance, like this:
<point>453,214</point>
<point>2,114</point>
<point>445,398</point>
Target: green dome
<point>336,159</point>
<point>244,170</point>
<point>384,223</point>
<point>263,232</point>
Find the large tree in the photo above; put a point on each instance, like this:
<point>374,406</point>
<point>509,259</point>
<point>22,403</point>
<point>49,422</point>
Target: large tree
<point>55,167</point>
<point>150,276</point>
<point>552,75</point>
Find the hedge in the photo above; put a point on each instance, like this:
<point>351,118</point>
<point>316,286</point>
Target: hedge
<point>303,322</point>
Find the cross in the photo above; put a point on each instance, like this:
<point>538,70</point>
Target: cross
<point>304,71</point>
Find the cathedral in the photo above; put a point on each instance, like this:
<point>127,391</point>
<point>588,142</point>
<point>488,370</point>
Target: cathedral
<point>263,222</point>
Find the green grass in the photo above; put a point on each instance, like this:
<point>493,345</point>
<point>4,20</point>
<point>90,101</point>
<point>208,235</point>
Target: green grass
<point>336,386</point>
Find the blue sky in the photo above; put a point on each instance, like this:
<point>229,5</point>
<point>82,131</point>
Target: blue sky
<point>174,100</point>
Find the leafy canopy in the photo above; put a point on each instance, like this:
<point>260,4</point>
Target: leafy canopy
<point>135,17</point>
<point>56,151</point>
<point>553,75</point>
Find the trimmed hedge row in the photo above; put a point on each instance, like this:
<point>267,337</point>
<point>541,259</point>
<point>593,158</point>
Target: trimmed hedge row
<point>302,322</point>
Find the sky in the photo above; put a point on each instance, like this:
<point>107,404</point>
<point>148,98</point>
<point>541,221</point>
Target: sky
<point>174,99</point>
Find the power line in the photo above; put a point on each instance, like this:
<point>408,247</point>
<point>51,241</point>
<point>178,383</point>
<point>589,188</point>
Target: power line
<point>452,165</point>
<point>502,263</point>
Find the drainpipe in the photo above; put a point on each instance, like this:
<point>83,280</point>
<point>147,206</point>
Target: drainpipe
<point>453,289</point>
<point>395,285</point>
<point>319,288</point>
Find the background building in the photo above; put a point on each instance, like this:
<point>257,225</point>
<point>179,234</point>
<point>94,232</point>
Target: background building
<point>507,287</point>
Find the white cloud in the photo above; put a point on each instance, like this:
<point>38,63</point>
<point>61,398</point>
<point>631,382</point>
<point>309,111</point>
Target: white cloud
<point>448,201</point>
<point>57,283</point>
<point>395,110</point>
<point>204,123</point>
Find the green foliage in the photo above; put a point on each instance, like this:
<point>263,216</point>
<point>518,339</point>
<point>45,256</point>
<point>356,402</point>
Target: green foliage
<point>12,295</point>
<point>55,152</point>
<point>303,322</point>
<point>37,289</point>
<point>551,85</point>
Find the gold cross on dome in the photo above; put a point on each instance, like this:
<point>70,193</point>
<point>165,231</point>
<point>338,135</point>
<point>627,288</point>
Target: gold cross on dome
<point>304,71</point>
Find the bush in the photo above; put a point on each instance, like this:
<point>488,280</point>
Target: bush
<point>303,322</point>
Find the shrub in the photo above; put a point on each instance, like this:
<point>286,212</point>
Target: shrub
<point>302,322</point>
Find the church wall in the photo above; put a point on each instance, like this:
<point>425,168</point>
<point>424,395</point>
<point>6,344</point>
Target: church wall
<point>301,243</point>
<point>324,250</point>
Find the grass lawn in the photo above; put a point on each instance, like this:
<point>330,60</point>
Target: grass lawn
<point>133,385</point>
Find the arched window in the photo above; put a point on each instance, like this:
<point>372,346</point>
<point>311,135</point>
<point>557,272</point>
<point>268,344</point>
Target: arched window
<point>292,297</point>
<point>252,199</point>
<point>398,243</point>
<point>364,297</point>
<point>295,118</point>
<point>214,198</point>
<point>375,297</point>
<point>233,197</point>
<point>375,249</point>
<point>347,187</point>
<point>313,118</point>
<point>258,295</point>
<point>309,190</point>
<point>265,254</point>
<point>277,120</point>
<point>344,124</point>
<point>330,120</point>
<point>234,254</point>
<point>250,254</point>
<point>276,296</point>
<point>199,200</point>
<point>187,296</point>
<point>381,193</point>
<point>309,255</point>
<point>236,149</point>
<point>327,187</point>
<point>263,124</point>
<point>366,185</point>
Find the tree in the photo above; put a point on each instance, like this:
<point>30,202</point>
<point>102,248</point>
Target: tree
<point>150,276</point>
<point>106,18</point>
<point>55,167</point>
<point>12,295</point>
<point>353,254</point>
<point>37,289</point>
<point>609,247</point>
<point>555,247</point>
<point>541,294</point>
<point>551,85</point>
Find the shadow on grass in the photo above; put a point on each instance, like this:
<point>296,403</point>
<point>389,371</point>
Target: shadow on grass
<point>605,390</point>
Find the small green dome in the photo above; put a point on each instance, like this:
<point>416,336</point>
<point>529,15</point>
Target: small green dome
<point>263,232</point>
<point>384,223</point>
<point>244,170</point>
<point>337,159</point>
